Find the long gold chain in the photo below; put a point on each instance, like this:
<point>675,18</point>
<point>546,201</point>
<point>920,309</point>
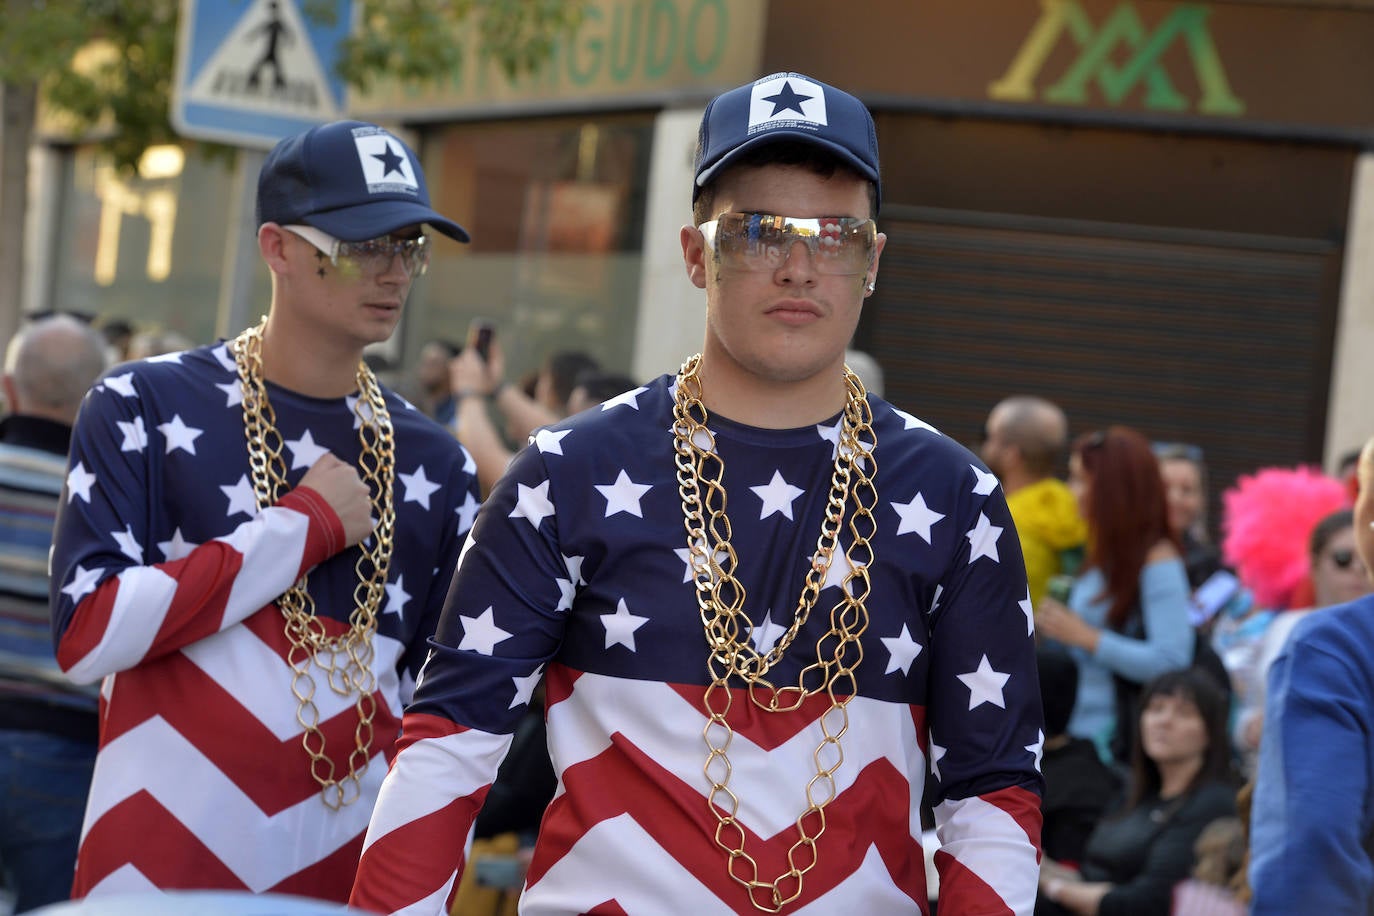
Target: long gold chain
<point>720,598</point>
<point>346,660</point>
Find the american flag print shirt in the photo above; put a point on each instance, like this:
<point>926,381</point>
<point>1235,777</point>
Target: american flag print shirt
<point>577,572</point>
<point>164,577</point>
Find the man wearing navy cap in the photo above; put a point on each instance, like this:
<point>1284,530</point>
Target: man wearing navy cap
<point>254,544</point>
<point>772,612</point>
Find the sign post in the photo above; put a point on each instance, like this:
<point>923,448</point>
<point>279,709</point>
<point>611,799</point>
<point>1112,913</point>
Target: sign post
<point>248,74</point>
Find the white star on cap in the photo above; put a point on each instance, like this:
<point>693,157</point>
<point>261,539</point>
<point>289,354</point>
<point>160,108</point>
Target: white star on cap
<point>135,435</point>
<point>481,634</point>
<point>83,583</point>
<point>985,685</point>
<point>549,442</point>
<point>128,544</point>
<point>418,487</point>
<point>623,495</point>
<point>122,385</point>
<point>176,548</point>
<point>179,435</point>
<point>983,540</point>
<point>304,451</point>
<point>532,503</point>
<point>916,517</point>
<point>621,626</point>
<point>903,651</point>
<point>777,495</point>
<point>986,481</point>
<point>1029,611</point>
<point>241,498</point>
<point>79,481</point>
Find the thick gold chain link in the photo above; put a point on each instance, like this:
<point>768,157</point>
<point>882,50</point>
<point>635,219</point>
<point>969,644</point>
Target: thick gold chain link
<point>346,660</point>
<point>720,599</point>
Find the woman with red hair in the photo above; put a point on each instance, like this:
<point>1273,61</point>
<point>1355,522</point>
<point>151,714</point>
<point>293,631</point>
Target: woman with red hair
<point>1126,619</point>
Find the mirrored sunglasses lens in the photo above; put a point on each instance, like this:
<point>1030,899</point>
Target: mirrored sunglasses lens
<point>761,241</point>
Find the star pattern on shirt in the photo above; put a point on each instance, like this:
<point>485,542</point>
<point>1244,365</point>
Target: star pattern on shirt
<point>242,499</point>
<point>831,434</point>
<point>1038,748</point>
<point>134,433</point>
<point>524,687</point>
<point>627,399</point>
<point>935,599</point>
<point>177,547</point>
<point>984,481</point>
<point>623,495</point>
<point>778,496</point>
<point>766,635</point>
<point>916,517</point>
<point>910,421</point>
<point>837,571</point>
<point>396,597</point>
<point>179,436</point>
<point>467,512</point>
<point>982,540</point>
<point>621,626</point>
<point>567,593</point>
<point>985,685</point>
<point>174,357</point>
<point>1029,610</point>
<point>233,394</point>
<point>574,566</point>
<point>481,634</point>
<point>532,503</point>
<point>937,754</point>
<point>83,582</point>
<point>128,544</point>
<point>221,355</point>
<point>787,99</point>
<point>122,385</point>
<point>550,442</point>
<point>305,451</point>
<point>685,555</point>
<point>351,402</point>
<point>79,482</point>
<point>902,651</point>
<point>418,487</point>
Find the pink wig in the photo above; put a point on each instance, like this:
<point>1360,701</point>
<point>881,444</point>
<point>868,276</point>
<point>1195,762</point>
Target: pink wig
<point>1268,519</point>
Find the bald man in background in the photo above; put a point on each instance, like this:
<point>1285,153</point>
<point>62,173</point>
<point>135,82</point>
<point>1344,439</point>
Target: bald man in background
<point>47,724</point>
<point>1024,440</point>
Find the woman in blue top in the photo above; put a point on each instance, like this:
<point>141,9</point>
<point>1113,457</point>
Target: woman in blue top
<point>1127,613</point>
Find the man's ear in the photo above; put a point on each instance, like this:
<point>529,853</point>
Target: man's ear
<point>872,277</point>
<point>272,247</point>
<point>694,255</point>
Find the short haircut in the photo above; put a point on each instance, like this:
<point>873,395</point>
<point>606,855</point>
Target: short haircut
<point>1038,430</point>
<point>800,155</point>
<point>54,362</point>
<point>602,386</point>
<point>563,368</point>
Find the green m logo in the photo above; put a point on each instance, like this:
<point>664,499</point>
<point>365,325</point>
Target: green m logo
<point>1187,21</point>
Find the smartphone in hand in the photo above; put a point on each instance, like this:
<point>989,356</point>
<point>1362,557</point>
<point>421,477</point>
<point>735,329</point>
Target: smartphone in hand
<point>479,337</point>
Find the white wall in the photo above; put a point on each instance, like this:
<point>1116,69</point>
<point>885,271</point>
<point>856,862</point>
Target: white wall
<point>672,311</point>
<point>1350,417</point>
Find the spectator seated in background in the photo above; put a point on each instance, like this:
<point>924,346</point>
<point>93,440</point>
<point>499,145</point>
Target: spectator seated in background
<point>1079,787</point>
<point>1185,487</point>
<point>1181,781</point>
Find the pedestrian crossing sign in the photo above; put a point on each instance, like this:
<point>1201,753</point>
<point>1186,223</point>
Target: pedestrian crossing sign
<point>250,72</point>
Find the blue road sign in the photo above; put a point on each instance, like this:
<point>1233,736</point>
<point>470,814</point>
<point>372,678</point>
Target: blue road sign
<point>250,72</point>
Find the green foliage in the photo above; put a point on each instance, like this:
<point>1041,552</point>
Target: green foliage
<point>121,94</point>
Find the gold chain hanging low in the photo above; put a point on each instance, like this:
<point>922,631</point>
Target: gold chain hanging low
<point>720,598</point>
<point>346,660</point>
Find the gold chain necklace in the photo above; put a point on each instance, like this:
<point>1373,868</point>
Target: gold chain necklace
<point>346,660</point>
<point>720,598</point>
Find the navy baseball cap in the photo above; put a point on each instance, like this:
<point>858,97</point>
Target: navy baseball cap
<point>786,107</point>
<point>351,179</point>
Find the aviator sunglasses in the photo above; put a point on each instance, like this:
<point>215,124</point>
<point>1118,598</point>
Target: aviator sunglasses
<point>839,245</point>
<point>372,256</point>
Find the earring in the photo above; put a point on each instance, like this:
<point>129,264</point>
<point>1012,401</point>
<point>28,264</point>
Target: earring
<point>871,286</point>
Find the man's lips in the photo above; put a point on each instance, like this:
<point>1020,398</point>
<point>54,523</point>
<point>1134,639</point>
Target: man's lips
<point>797,311</point>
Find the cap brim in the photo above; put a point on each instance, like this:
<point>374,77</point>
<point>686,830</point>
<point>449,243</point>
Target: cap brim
<point>382,217</point>
<point>779,135</point>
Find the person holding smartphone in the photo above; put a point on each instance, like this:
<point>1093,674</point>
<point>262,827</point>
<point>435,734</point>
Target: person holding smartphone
<point>774,614</point>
